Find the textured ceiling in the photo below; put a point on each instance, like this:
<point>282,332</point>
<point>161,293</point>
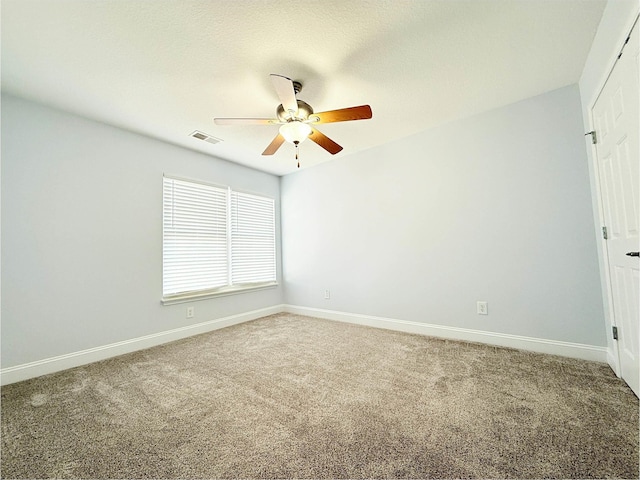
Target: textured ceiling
<point>165,68</point>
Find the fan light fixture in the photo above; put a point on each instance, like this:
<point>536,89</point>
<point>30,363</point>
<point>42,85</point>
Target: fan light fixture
<point>295,132</point>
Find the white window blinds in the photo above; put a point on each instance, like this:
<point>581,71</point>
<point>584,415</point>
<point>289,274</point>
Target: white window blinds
<point>253,240</point>
<point>215,238</point>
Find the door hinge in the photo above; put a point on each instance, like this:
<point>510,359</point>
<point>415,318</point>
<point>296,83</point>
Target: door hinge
<point>594,138</point>
<point>615,332</point>
<point>624,45</point>
<point>604,233</point>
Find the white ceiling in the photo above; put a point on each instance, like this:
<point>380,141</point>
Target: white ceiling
<point>165,68</point>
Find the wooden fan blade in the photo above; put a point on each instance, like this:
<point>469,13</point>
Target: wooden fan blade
<point>274,145</point>
<point>285,91</point>
<point>324,141</point>
<point>245,121</point>
<point>362,112</point>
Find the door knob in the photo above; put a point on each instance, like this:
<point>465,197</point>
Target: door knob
<point>633,254</point>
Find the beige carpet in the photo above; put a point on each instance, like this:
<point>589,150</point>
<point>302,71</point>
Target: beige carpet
<point>288,396</point>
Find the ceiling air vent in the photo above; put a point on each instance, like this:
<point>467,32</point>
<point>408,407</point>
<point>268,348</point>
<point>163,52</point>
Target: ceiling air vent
<point>203,136</point>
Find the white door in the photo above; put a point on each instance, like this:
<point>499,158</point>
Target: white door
<point>617,126</point>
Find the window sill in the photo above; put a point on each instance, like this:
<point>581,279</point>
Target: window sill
<point>220,292</point>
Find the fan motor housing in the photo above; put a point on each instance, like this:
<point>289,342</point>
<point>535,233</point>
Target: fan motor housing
<point>304,110</point>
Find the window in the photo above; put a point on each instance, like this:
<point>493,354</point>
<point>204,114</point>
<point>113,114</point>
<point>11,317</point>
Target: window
<point>215,240</point>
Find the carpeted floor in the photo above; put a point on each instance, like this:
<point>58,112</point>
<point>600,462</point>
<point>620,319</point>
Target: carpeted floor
<point>288,396</point>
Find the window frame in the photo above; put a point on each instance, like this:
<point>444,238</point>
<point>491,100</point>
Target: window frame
<point>229,288</point>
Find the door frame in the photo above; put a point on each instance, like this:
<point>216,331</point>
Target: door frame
<point>613,355</point>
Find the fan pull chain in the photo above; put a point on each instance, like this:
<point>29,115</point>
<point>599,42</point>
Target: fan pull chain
<point>297,155</point>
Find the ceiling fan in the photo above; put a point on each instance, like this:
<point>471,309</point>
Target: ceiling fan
<point>296,118</point>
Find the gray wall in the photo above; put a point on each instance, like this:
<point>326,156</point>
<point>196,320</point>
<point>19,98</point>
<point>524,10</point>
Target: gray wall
<point>82,233</point>
<point>495,207</point>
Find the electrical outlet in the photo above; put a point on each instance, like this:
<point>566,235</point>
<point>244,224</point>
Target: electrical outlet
<point>327,294</point>
<point>191,311</point>
<point>482,308</point>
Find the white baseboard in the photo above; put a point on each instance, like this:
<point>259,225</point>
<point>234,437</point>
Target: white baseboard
<point>55,364</point>
<point>552,347</point>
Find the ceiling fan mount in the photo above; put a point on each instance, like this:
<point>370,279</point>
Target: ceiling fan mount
<point>296,117</point>
<point>297,86</point>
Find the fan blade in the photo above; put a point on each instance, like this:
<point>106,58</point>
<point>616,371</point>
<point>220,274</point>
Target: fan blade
<point>274,145</point>
<point>286,93</point>
<point>246,121</point>
<point>362,112</point>
<point>324,141</point>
